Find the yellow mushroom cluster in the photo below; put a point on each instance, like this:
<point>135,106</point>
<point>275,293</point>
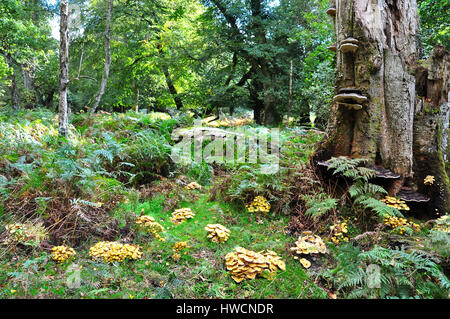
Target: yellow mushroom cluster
<point>443,224</point>
<point>177,248</point>
<point>429,180</point>
<point>193,185</point>
<point>149,224</point>
<point>339,233</point>
<point>308,243</point>
<point>399,224</point>
<point>180,215</point>
<point>62,253</point>
<point>246,264</point>
<point>305,263</point>
<point>259,205</point>
<point>275,262</point>
<point>113,251</point>
<point>395,202</point>
<point>217,233</point>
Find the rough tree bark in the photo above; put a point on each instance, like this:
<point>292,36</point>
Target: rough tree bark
<point>15,102</point>
<point>63,68</point>
<point>374,103</point>
<point>107,57</point>
<point>431,122</point>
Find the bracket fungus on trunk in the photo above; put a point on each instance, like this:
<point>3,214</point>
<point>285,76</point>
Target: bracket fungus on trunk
<point>410,196</point>
<point>349,45</point>
<point>350,98</point>
<point>331,11</point>
<point>332,47</point>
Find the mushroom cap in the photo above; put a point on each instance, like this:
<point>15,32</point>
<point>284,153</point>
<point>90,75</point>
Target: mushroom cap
<point>332,47</point>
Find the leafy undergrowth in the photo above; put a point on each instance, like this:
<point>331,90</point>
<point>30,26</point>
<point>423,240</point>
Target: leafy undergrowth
<point>114,168</point>
<point>199,273</point>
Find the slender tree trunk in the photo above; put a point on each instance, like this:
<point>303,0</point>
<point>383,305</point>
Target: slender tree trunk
<point>14,96</point>
<point>107,57</point>
<point>63,68</point>
<point>169,82</point>
<point>291,71</point>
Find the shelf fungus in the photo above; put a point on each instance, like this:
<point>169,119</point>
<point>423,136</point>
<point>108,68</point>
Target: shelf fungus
<point>350,98</point>
<point>349,45</point>
<point>180,215</point>
<point>217,233</point>
<point>246,264</point>
<point>331,11</point>
<point>410,196</point>
<point>332,47</point>
<point>308,243</point>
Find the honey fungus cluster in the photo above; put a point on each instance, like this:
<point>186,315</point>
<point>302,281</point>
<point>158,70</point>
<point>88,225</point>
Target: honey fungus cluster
<point>113,251</point>
<point>399,224</point>
<point>217,233</point>
<point>395,203</point>
<point>180,215</point>
<point>259,205</point>
<point>308,243</point>
<point>62,253</point>
<point>246,264</point>
<point>193,185</point>
<point>149,224</point>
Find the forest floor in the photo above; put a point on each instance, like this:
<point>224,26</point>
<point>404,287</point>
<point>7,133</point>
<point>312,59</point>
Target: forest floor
<point>80,192</point>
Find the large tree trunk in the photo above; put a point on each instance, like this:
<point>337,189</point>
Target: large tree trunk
<point>373,107</point>
<point>375,97</point>
<point>63,68</point>
<point>431,122</point>
<point>107,57</point>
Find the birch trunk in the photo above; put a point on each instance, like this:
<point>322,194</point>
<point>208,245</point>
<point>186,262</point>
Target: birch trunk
<point>107,57</point>
<point>63,68</point>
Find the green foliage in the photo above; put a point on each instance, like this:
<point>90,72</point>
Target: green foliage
<point>404,274</point>
<point>362,191</point>
<point>319,204</point>
<point>434,23</point>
